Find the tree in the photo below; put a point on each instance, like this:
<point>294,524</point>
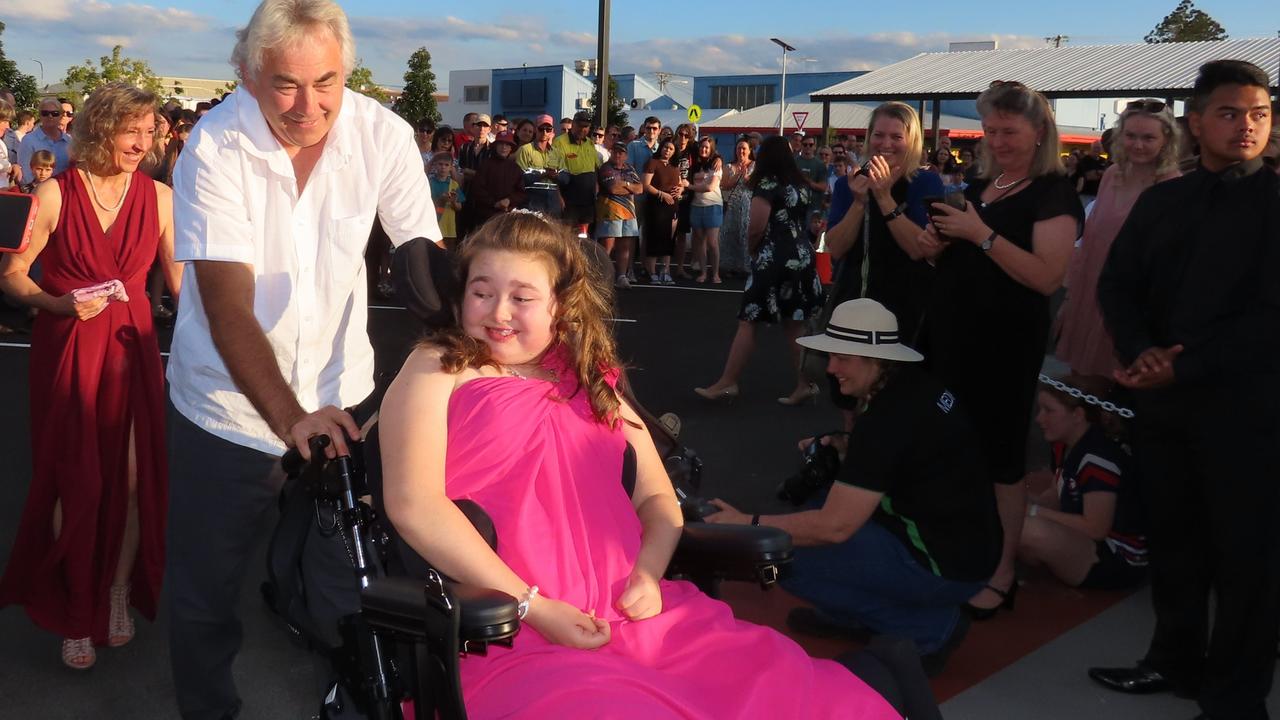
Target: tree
<point>23,85</point>
<point>617,114</point>
<point>361,80</point>
<point>113,68</point>
<point>418,101</point>
<point>1186,24</point>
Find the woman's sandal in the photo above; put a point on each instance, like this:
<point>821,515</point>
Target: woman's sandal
<point>120,627</point>
<point>78,654</point>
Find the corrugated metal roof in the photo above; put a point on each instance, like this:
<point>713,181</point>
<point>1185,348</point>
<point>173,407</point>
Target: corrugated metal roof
<point>1079,71</point>
<point>844,116</point>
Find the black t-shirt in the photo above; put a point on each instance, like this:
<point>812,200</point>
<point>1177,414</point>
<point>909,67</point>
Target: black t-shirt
<point>915,445</point>
<point>1087,165</point>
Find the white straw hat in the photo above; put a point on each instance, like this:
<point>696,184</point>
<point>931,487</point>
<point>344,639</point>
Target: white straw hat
<point>862,327</point>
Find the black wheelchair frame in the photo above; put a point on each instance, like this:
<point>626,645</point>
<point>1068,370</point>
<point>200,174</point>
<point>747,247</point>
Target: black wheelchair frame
<point>414,624</point>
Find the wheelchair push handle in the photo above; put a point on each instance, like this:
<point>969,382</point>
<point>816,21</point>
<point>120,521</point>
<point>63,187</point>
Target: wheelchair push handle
<point>293,463</point>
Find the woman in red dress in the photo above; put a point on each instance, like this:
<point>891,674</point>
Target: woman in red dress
<point>92,533</point>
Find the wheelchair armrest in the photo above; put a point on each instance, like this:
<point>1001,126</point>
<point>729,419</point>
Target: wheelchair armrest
<point>731,552</point>
<point>417,607</point>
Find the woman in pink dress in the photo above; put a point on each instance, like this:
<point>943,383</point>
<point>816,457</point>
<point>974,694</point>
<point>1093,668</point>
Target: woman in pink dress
<point>517,410</point>
<point>91,539</point>
<point>1144,152</point>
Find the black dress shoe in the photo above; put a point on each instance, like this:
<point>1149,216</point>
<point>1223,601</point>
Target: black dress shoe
<point>1138,680</point>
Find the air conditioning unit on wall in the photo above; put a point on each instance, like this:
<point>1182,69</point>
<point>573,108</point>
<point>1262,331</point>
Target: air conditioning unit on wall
<point>638,103</point>
<point>583,103</point>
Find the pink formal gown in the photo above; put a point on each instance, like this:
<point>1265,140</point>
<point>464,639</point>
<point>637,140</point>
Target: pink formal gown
<point>1084,342</point>
<point>549,476</point>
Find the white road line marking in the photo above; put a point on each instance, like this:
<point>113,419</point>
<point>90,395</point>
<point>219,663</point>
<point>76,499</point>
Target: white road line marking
<point>681,287</point>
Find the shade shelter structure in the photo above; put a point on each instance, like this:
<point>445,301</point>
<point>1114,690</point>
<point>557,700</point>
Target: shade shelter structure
<point>1162,70</point>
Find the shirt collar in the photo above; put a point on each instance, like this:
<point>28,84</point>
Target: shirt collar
<point>1238,171</point>
<point>255,136</point>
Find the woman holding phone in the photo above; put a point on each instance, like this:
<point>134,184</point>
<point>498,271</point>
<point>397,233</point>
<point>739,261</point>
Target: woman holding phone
<point>91,538</point>
<point>998,261</point>
<point>876,215</point>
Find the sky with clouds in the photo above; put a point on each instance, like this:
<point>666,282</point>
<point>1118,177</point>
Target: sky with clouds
<point>193,38</point>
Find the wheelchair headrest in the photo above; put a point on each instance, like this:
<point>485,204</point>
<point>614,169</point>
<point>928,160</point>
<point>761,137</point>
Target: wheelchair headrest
<point>425,281</point>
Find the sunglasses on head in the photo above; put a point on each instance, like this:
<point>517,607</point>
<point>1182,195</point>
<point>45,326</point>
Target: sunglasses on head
<point>1148,106</point>
<point>57,113</point>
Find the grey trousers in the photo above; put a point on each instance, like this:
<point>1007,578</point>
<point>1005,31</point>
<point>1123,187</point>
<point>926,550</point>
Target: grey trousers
<point>220,494</point>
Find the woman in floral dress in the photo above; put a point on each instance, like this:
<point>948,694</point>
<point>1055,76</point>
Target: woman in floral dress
<point>783,286</point>
<point>734,260</point>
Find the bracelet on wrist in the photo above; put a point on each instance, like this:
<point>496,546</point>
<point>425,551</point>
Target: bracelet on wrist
<point>522,607</point>
<point>755,520</point>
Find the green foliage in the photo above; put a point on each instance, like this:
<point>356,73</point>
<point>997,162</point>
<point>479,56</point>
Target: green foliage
<point>1186,24</point>
<point>114,68</point>
<point>361,80</point>
<point>23,85</point>
<point>617,110</point>
<point>418,101</point>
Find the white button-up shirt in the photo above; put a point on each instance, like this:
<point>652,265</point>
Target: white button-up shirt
<point>236,200</point>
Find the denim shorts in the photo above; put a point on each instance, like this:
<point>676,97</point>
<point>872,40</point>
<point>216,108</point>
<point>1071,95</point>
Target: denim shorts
<point>617,228</point>
<point>706,217</point>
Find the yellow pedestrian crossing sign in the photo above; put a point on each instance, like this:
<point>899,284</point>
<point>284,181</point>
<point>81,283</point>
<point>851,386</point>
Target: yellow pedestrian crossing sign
<point>695,113</point>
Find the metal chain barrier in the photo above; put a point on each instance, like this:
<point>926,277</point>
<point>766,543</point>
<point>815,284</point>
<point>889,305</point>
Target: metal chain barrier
<point>1079,394</point>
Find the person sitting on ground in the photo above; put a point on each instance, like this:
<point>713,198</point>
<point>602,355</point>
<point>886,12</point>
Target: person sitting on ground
<point>1086,526</point>
<point>516,409</point>
<point>908,531</point>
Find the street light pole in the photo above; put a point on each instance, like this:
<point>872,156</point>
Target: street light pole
<point>41,71</point>
<point>782,104</point>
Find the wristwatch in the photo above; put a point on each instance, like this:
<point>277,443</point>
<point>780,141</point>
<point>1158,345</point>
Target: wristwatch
<point>897,213</point>
<point>991,240</point>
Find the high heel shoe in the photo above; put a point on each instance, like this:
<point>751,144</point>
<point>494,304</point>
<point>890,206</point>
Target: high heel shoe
<point>728,394</point>
<point>78,654</point>
<point>120,627</point>
<point>1007,598</point>
<point>810,393</point>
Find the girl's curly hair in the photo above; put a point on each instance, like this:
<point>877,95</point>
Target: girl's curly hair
<point>583,301</point>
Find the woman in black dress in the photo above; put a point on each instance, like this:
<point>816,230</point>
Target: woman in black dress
<point>662,185</point>
<point>998,262</point>
<point>783,286</point>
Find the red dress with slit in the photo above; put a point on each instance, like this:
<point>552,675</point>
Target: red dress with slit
<point>90,381</point>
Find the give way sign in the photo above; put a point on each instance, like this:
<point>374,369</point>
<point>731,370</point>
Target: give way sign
<point>800,117</point>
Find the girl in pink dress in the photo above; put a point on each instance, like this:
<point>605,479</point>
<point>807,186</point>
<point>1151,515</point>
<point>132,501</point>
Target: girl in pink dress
<point>517,410</point>
<point>1144,152</point>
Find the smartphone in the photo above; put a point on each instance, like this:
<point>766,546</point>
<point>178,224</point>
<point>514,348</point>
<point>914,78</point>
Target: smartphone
<point>17,219</point>
<point>955,199</point>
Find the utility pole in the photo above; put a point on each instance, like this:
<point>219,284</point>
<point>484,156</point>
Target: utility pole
<point>1057,40</point>
<point>602,67</point>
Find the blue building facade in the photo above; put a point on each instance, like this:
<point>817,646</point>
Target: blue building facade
<point>741,92</point>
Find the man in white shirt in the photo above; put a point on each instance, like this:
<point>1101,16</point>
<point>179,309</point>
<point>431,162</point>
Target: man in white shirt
<point>275,195</point>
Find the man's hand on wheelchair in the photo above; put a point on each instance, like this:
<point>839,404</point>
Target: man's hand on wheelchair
<point>564,624</point>
<point>642,598</point>
<point>328,420</point>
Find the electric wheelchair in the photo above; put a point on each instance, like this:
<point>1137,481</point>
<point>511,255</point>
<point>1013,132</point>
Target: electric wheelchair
<point>409,625</point>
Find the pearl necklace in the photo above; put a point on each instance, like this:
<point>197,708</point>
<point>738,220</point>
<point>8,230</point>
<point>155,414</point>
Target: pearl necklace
<point>996,182</point>
<point>94,190</point>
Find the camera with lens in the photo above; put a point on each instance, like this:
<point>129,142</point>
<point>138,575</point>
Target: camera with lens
<point>818,468</point>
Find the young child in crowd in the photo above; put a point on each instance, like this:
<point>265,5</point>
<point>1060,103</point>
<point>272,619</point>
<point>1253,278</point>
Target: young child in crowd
<point>447,196</point>
<point>1086,527</point>
<point>42,162</point>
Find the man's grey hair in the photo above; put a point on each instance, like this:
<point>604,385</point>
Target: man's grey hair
<point>279,23</point>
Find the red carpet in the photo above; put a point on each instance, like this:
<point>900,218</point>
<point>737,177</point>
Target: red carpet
<point>1045,609</point>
